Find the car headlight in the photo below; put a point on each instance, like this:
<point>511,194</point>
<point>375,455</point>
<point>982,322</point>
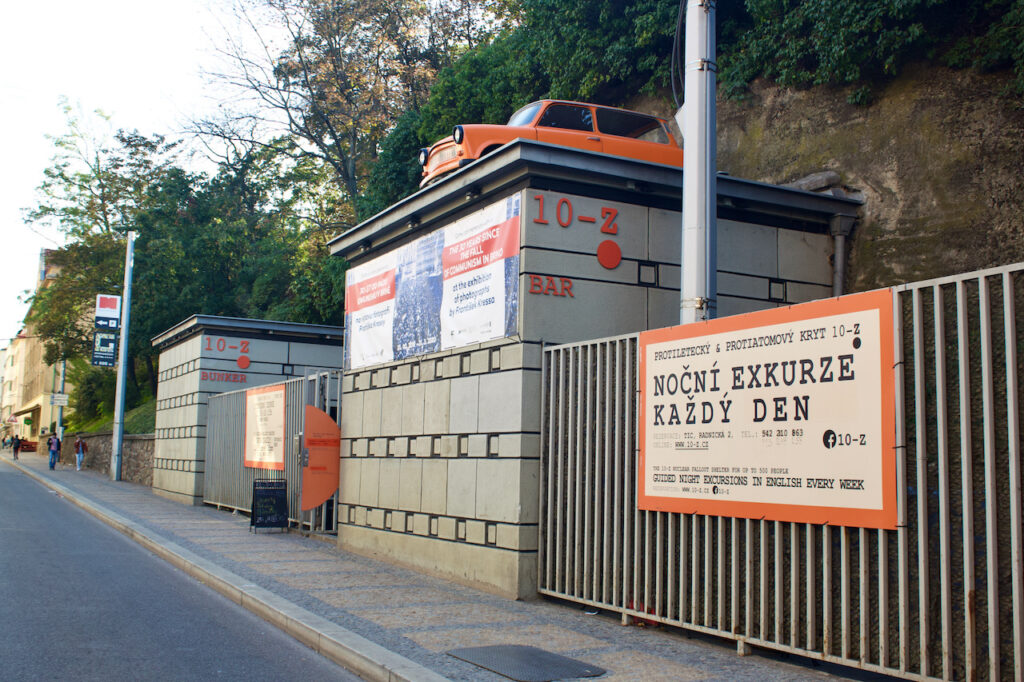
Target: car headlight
<point>458,134</point>
<point>424,155</point>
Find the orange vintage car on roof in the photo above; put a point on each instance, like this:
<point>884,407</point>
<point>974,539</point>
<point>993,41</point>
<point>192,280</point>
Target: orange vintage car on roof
<point>591,127</point>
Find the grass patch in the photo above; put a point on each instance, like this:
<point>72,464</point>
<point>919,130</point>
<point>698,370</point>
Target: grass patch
<point>142,419</point>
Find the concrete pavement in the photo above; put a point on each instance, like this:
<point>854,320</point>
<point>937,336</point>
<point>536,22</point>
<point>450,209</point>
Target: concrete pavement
<point>384,622</point>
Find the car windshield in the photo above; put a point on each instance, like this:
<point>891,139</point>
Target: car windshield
<point>630,124</point>
<point>524,115</point>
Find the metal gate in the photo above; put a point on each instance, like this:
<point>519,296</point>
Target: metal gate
<point>228,482</point>
<point>939,598</point>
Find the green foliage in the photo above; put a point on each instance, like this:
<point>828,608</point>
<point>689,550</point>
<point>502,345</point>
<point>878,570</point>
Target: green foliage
<point>248,242</point>
<point>141,419</point>
<point>94,388</point>
<point>816,42</point>
<point>397,172</point>
<point>997,41</point>
<point>485,86</point>
<point>600,49</point>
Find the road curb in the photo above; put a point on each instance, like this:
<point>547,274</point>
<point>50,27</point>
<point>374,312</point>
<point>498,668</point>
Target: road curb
<point>344,647</point>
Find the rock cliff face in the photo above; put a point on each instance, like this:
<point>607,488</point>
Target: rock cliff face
<point>938,158</point>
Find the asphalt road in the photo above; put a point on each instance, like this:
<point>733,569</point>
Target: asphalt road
<point>80,601</point>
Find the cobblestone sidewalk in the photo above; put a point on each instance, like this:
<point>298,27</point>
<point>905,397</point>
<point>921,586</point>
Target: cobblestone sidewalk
<point>406,619</point>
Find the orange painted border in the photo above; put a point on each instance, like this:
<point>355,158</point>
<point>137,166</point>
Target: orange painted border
<point>252,464</point>
<point>886,517</point>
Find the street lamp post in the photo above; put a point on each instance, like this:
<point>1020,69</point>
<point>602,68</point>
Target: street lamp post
<point>122,362</point>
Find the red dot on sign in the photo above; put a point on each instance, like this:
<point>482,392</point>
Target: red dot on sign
<point>609,254</point>
<point>242,362</point>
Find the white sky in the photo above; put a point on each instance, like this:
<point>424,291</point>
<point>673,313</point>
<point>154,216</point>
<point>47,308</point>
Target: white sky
<point>140,61</point>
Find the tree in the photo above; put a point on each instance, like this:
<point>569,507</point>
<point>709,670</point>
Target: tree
<point>345,73</point>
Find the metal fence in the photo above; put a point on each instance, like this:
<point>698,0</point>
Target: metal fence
<point>228,482</point>
<point>938,598</point>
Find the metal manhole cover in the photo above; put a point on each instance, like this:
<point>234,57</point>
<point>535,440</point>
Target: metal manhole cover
<point>526,663</point>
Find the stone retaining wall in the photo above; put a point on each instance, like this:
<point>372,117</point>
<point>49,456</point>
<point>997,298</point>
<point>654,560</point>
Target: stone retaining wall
<point>136,455</point>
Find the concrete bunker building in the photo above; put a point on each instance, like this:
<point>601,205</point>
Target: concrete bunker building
<point>454,291</point>
<point>205,355</point>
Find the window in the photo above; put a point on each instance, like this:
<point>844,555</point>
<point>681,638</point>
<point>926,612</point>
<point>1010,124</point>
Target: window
<point>629,124</point>
<point>567,116</point>
<point>525,115</point>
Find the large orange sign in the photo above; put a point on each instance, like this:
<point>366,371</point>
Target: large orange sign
<point>323,441</point>
<point>784,414</point>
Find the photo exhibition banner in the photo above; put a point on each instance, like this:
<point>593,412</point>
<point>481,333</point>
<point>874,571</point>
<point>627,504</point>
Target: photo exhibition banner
<point>785,415</point>
<point>453,287</point>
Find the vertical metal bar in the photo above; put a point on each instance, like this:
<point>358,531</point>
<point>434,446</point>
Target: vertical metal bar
<point>577,467</point>
<point>883,598</point>
<point>1013,448</point>
<point>826,590</point>
<point>707,571</point>
<point>608,483</point>
<point>597,425</point>
<point>562,504</point>
<point>587,455</point>
<point>631,478</point>
<point>551,386</point>
<point>844,588</point>
<point>734,581</point>
<point>620,482</point>
<point>899,386</point>
<point>685,595</point>
<point>942,455</point>
<point>764,579</point>
<point>991,512</point>
<point>779,578</point>
<point>748,602</point>
<point>694,570</point>
<point>863,593</point>
<point>922,484</point>
<point>672,539</point>
<point>659,563</point>
<point>812,593</point>
<point>966,480</point>
<point>794,585</point>
<point>720,577</point>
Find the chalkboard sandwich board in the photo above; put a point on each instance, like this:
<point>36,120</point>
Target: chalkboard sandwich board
<point>269,504</point>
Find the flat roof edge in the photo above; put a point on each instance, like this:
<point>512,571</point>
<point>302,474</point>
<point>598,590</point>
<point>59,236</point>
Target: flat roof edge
<point>198,323</point>
<point>520,160</point>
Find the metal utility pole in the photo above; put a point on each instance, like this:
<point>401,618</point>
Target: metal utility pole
<point>60,408</point>
<point>122,361</point>
<point>699,256</point>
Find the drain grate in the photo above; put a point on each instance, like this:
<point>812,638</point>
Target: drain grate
<point>526,663</point>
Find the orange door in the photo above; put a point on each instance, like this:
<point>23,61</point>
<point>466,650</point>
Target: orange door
<point>569,125</point>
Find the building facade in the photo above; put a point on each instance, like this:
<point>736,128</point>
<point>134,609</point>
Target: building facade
<point>535,245</point>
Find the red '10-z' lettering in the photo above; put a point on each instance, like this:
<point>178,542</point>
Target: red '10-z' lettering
<point>609,226</point>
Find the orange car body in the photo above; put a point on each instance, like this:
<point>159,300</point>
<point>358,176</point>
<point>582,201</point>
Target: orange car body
<point>590,127</point>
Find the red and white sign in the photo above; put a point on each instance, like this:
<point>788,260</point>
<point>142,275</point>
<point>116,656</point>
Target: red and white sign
<point>370,311</point>
<point>449,288</point>
<point>784,414</point>
<point>108,306</point>
<point>265,427</point>
<point>473,262</point>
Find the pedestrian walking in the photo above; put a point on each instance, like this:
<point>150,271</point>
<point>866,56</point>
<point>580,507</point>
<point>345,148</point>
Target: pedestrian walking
<point>80,449</point>
<point>16,444</point>
<point>54,444</point>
